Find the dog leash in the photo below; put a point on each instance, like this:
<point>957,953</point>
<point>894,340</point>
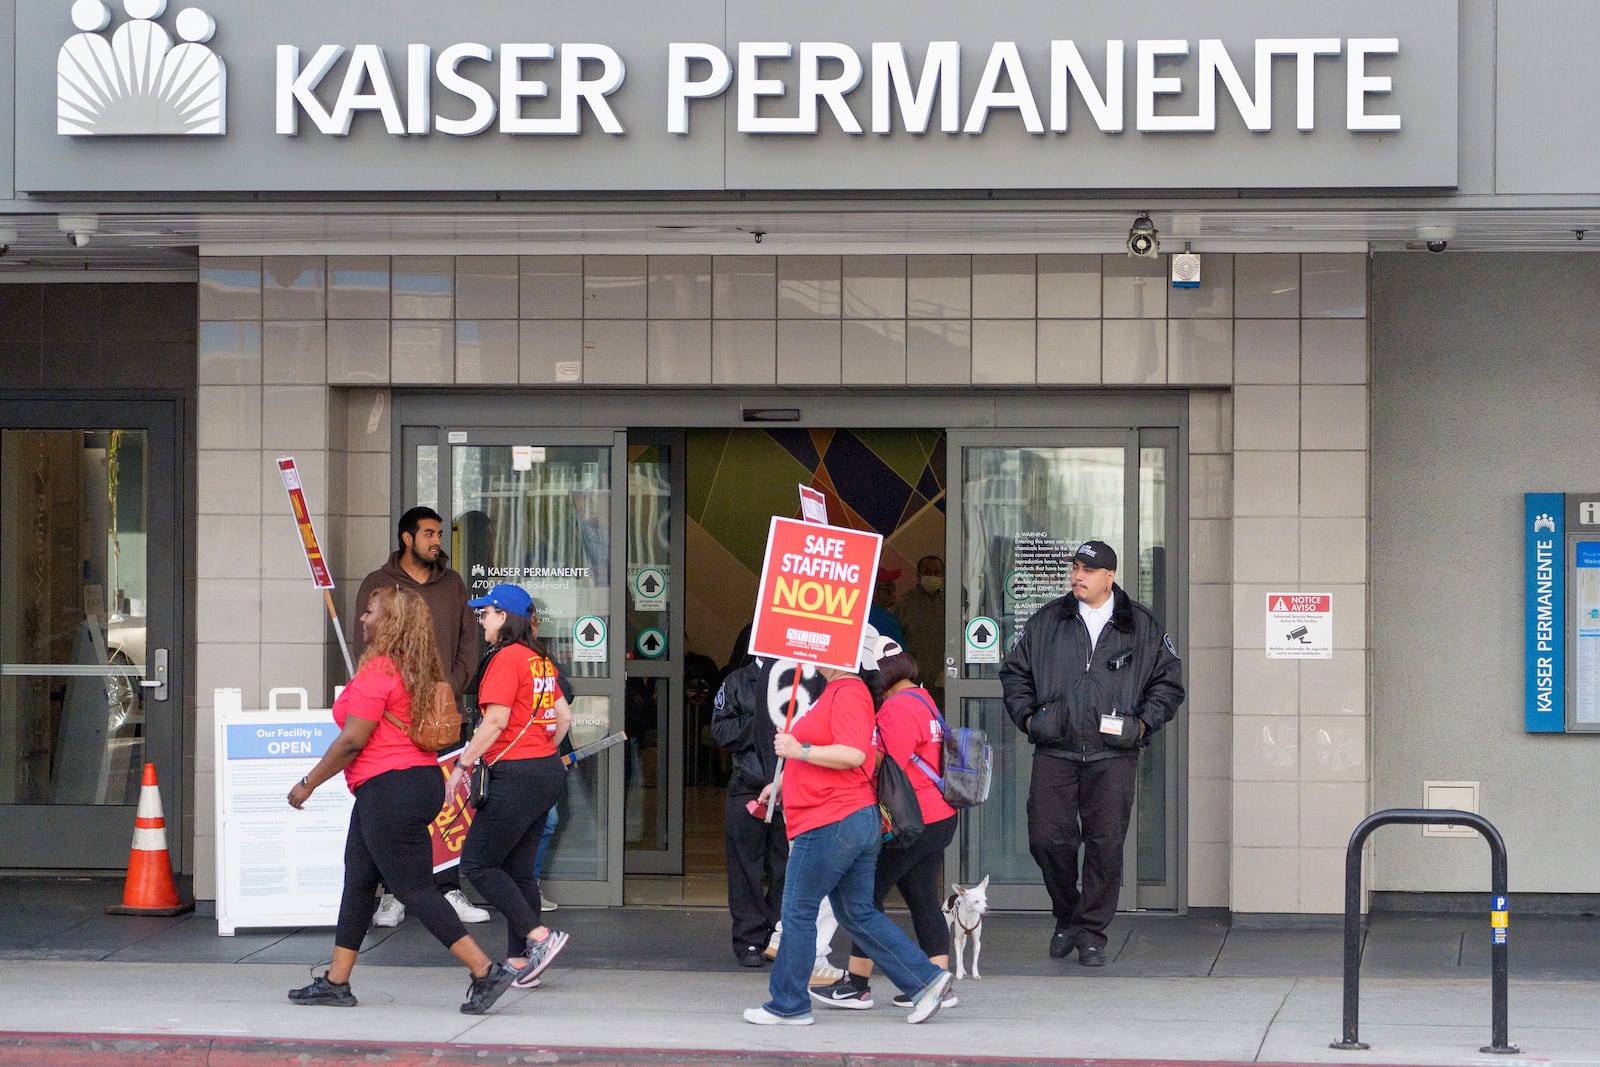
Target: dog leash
<point>955,913</point>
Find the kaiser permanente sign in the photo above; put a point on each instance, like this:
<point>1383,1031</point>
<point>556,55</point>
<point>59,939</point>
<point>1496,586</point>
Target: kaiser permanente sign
<point>735,94</point>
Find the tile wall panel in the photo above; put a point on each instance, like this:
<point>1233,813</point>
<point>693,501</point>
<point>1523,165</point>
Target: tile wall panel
<point>1272,350</point>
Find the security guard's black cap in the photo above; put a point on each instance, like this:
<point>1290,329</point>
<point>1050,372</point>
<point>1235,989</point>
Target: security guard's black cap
<point>1096,554</point>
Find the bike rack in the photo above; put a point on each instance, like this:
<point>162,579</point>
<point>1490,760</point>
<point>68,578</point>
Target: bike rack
<point>1499,922</point>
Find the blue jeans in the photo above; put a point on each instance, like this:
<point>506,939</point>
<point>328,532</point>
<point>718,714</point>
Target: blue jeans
<point>838,861</point>
<point>550,823</point>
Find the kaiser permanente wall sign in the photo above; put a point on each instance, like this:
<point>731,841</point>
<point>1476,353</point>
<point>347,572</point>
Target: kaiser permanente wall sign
<point>1562,644</point>
<point>729,94</point>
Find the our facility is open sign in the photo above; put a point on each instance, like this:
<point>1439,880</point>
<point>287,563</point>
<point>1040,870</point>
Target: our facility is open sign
<point>816,589</point>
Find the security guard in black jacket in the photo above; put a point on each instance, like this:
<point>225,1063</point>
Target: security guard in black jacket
<point>749,711</point>
<point>1090,678</point>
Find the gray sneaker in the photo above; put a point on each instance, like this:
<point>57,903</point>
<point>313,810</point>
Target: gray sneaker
<point>540,955</point>
<point>483,992</point>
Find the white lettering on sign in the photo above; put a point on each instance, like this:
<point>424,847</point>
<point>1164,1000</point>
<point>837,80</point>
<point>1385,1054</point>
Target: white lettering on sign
<point>782,87</point>
<point>368,85</point>
<point>1544,624</point>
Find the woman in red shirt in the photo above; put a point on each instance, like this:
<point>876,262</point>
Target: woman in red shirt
<point>907,726</point>
<point>524,719</point>
<point>831,814</point>
<point>398,791</point>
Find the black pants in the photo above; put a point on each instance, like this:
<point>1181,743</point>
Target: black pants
<point>503,842</point>
<point>915,872</point>
<point>758,853</point>
<point>388,842</point>
<point>1072,803</point>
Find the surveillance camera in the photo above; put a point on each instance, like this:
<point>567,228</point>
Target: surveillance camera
<point>1435,238</point>
<point>1143,240</point>
<point>80,229</point>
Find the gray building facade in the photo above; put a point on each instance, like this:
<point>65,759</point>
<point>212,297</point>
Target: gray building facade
<point>569,278</point>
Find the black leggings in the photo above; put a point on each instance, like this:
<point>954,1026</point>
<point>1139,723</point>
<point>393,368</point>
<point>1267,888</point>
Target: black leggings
<point>504,841</point>
<point>915,872</point>
<point>388,842</point>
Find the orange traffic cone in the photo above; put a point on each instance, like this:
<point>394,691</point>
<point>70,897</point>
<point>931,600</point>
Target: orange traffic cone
<point>149,889</point>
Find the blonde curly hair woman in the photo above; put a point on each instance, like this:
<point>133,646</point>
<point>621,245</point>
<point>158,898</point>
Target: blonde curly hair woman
<point>399,790</point>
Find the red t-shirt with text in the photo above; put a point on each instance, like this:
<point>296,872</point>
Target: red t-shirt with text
<point>524,681</point>
<point>815,796</point>
<point>906,725</point>
<point>376,688</point>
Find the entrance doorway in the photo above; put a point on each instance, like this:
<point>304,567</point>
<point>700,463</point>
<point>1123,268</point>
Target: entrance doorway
<point>642,592</point>
<point>90,661</point>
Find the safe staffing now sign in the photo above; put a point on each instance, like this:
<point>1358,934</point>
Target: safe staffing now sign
<point>816,589</point>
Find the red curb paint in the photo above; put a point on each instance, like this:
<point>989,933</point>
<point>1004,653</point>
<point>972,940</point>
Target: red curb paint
<point>157,1050</point>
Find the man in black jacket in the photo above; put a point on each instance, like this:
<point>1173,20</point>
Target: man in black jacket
<point>1089,680</point>
<point>750,709</point>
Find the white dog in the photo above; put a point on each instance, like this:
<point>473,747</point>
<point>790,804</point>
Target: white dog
<point>963,914</point>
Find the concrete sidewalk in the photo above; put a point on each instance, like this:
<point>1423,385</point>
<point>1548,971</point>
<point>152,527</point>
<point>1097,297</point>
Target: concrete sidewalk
<point>659,986</point>
<point>409,1015</point>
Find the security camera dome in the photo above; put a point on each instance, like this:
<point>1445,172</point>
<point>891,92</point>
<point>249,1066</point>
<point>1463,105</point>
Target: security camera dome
<point>78,228</point>
<point>1435,238</point>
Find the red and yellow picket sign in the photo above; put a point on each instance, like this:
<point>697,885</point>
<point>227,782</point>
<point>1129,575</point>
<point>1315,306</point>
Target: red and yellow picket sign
<point>816,590</point>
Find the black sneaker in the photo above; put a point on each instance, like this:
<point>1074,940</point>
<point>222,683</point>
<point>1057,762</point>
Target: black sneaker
<point>1060,945</point>
<point>483,992</point>
<point>749,956</point>
<point>843,994</point>
<point>323,992</point>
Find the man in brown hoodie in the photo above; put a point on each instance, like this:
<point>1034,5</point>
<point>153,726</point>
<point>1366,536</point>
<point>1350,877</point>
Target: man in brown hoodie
<point>420,563</point>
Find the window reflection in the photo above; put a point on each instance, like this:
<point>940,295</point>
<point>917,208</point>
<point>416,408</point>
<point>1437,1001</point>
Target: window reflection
<point>72,624</point>
<point>1023,512</point>
<point>540,518</point>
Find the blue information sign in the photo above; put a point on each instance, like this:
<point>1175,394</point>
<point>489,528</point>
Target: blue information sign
<point>1545,645</point>
<point>300,740</point>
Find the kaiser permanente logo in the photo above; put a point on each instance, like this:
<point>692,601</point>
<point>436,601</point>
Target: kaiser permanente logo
<point>136,83</point>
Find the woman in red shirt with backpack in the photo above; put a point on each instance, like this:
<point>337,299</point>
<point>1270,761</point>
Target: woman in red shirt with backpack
<point>398,791</point>
<point>830,808</point>
<point>908,726</point>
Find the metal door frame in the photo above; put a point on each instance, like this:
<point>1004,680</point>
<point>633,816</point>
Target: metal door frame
<point>1146,417</point>
<point>95,837</point>
<point>448,426</point>
<point>670,667</point>
<point>963,853</point>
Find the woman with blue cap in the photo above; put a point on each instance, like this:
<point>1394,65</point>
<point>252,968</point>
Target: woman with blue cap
<point>524,718</point>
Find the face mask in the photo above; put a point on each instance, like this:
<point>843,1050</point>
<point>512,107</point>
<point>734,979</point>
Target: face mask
<point>931,583</point>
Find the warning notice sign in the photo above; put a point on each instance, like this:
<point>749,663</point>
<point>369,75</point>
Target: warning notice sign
<point>816,588</point>
<point>1299,626</point>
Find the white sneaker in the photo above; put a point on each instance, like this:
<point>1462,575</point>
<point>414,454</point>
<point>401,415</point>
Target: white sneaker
<point>390,911</point>
<point>763,1017</point>
<point>930,998</point>
<point>771,951</point>
<point>466,910</point>
<point>546,904</point>
<point>825,973</point>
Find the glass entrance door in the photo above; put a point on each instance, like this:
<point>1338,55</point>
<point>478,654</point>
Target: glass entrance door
<point>537,509</point>
<point>90,678</point>
<point>1021,502</point>
<point>664,717</point>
